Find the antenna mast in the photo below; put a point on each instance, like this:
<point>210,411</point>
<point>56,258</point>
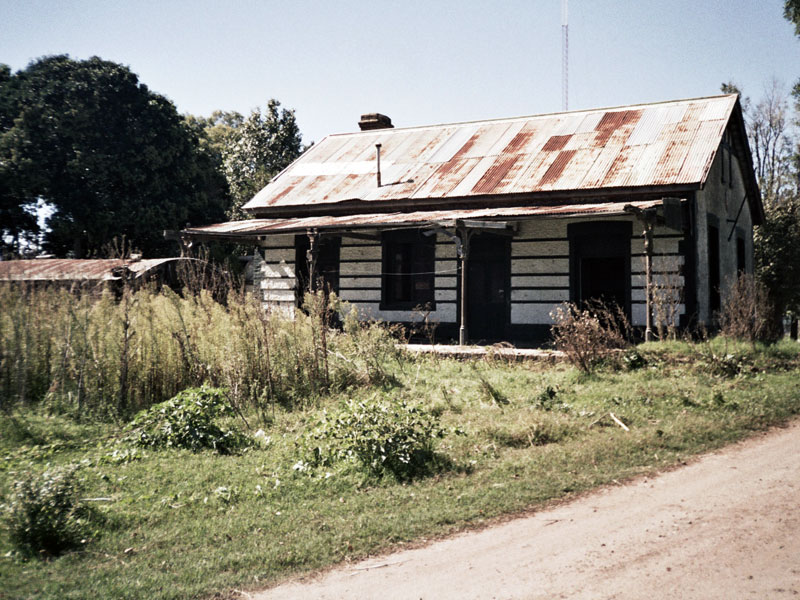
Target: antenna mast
<point>564,57</point>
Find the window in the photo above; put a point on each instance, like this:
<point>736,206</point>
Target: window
<point>713,268</point>
<point>741,263</point>
<point>408,270</point>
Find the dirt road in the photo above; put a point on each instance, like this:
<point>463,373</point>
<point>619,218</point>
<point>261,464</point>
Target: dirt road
<point>726,526</point>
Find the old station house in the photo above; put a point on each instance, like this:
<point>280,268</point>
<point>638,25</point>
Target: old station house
<point>492,224</point>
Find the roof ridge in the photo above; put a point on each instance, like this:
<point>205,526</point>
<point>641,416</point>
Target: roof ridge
<point>524,117</point>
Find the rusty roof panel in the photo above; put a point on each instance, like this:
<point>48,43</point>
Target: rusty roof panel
<point>495,174</point>
<point>68,269</point>
<point>556,143</point>
<point>505,138</point>
<point>589,123</point>
<point>581,163</point>
<point>553,173</point>
<point>675,143</point>
<point>596,173</point>
<point>706,141</point>
<point>535,170</point>
<point>518,143</point>
<point>448,149</point>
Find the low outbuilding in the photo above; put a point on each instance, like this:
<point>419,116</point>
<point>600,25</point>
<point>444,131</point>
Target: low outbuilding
<point>94,275</point>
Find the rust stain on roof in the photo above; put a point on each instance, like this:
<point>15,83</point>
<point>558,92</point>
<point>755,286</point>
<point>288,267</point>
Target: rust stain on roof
<point>495,174</point>
<point>613,122</point>
<point>466,147</point>
<point>678,141</point>
<point>557,168</point>
<point>556,142</point>
<point>69,269</point>
<point>520,140</point>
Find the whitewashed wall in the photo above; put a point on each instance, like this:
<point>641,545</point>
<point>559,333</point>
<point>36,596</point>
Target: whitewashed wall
<point>360,281</point>
<point>539,274</point>
<point>722,201</point>
<point>273,272</point>
<point>540,270</point>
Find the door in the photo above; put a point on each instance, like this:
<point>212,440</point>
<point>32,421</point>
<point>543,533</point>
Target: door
<point>488,282</point>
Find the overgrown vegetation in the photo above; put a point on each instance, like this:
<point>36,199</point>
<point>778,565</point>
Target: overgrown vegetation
<point>746,313</point>
<point>589,334</point>
<point>44,514</point>
<point>346,452</point>
<point>189,420</point>
<point>386,436</point>
<point>100,358</point>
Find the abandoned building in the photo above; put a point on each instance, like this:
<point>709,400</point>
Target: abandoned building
<point>493,224</point>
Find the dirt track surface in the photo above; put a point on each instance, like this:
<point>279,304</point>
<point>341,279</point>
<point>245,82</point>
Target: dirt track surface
<point>726,526</point>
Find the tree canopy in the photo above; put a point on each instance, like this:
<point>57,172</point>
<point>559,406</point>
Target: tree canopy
<point>109,156</point>
<point>263,145</point>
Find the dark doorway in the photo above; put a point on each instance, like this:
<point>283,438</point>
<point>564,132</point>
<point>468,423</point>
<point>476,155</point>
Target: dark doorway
<point>326,265</point>
<point>600,263</point>
<point>603,278</point>
<point>488,282</point>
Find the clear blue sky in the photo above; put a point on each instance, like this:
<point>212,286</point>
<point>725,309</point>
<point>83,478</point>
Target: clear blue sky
<point>419,62</point>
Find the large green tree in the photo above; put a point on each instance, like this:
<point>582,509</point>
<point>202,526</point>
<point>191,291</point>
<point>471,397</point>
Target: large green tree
<point>109,156</point>
<point>263,145</point>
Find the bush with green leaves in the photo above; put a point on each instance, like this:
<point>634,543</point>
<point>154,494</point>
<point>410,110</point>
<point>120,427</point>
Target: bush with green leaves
<point>188,420</point>
<point>44,514</point>
<point>387,436</point>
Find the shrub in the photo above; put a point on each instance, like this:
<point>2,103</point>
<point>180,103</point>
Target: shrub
<point>188,420</point>
<point>44,515</point>
<point>589,335</point>
<point>745,314</point>
<point>385,436</point>
<point>548,400</point>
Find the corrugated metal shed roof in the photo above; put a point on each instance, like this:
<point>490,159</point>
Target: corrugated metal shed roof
<point>665,144</point>
<point>67,269</point>
<point>256,227</point>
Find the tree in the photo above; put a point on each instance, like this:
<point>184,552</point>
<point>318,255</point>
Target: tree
<point>768,124</point>
<point>216,133</point>
<point>18,225</point>
<point>777,241</point>
<point>777,246</point>
<point>791,12</point>
<point>264,145</point>
<point>108,155</point>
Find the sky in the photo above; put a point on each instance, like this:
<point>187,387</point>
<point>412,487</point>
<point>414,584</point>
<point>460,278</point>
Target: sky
<point>419,62</point>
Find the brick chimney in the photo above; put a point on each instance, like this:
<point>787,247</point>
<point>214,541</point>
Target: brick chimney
<point>374,121</point>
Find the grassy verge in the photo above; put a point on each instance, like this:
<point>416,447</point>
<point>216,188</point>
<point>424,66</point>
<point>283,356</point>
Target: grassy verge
<point>179,524</point>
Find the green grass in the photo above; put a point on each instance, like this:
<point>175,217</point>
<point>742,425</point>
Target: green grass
<point>534,433</point>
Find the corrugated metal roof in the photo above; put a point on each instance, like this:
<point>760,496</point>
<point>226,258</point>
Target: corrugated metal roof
<point>253,228</point>
<point>67,269</point>
<point>669,143</point>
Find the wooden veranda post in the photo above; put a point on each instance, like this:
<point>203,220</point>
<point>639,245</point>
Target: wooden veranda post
<point>648,278</point>
<point>648,219</point>
<point>463,254</point>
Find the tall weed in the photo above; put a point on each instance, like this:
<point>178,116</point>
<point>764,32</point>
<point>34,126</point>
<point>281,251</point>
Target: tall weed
<point>106,356</point>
